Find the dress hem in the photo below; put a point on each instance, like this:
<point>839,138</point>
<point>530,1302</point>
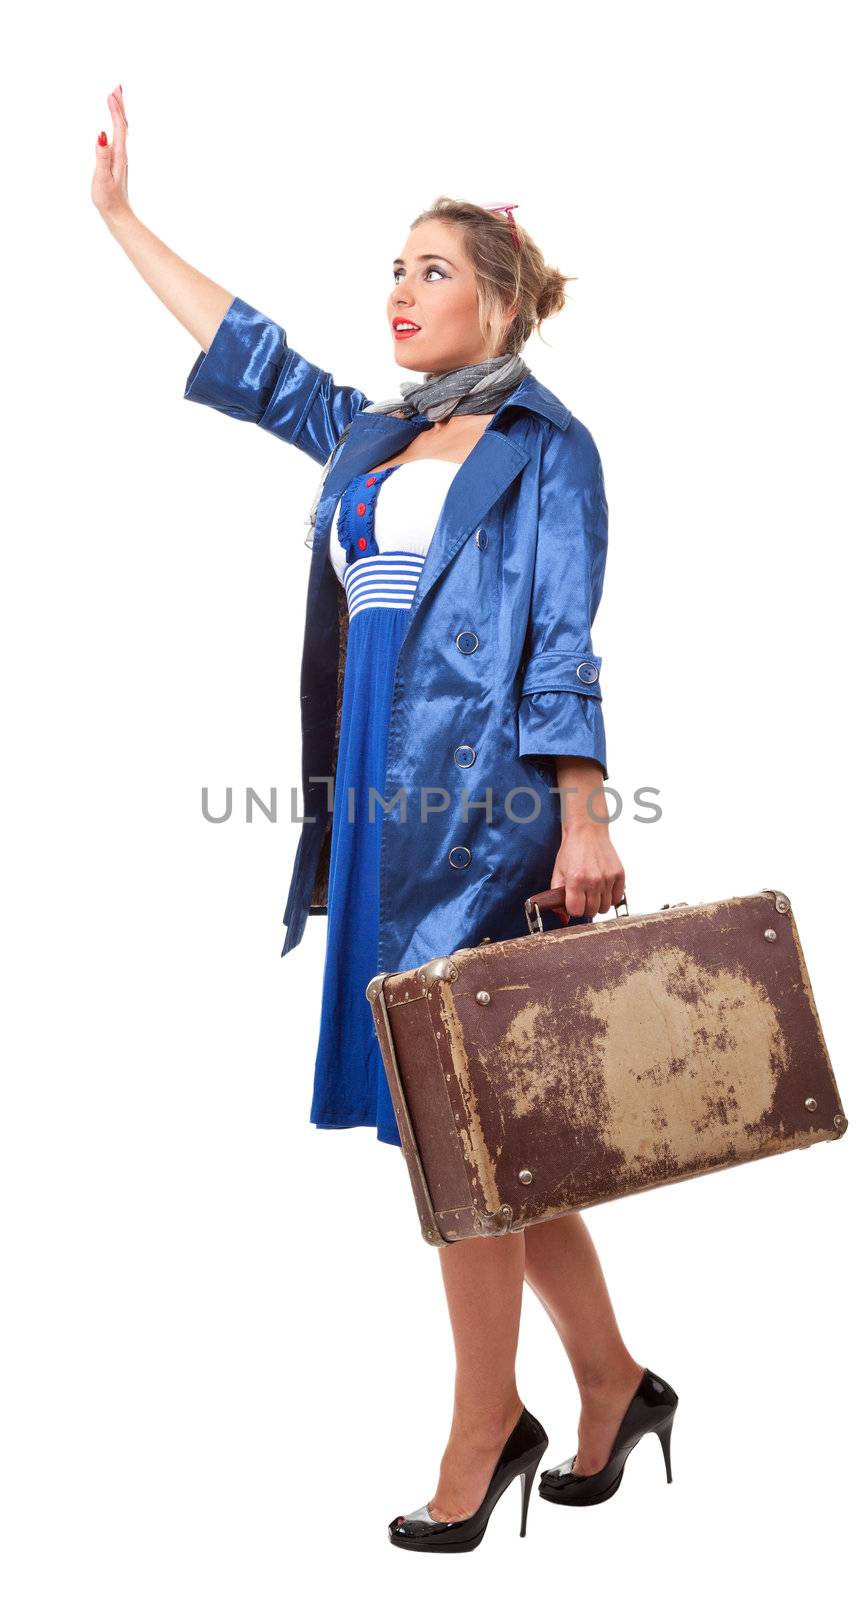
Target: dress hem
<point>383,1135</point>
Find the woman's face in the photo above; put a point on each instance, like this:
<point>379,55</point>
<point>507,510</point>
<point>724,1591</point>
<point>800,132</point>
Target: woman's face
<point>435,287</point>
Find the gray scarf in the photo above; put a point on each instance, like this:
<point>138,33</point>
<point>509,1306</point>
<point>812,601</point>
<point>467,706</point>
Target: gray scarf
<point>473,390</point>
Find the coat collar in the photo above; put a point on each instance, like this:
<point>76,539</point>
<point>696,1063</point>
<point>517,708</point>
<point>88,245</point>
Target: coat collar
<point>535,396</point>
<point>376,434</point>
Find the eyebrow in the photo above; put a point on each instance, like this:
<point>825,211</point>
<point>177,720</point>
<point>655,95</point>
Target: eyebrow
<point>433,257</point>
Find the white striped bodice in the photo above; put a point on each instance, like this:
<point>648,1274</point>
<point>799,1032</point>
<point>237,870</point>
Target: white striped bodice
<point>401,506</point>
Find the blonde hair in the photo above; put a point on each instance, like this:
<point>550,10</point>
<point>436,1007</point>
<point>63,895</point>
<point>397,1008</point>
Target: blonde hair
<point>504,275</point>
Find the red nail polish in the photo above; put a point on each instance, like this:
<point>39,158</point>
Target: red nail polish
<point>102,138</point>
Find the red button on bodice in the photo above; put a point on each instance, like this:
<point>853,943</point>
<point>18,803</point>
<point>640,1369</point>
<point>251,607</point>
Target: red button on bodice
<point>361,543</point>
<point>370,481</point>
<point>361,510</point>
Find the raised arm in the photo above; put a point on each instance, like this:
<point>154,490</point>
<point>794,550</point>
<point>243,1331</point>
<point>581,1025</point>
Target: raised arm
<point>246,368</point>
<point>198,302</point>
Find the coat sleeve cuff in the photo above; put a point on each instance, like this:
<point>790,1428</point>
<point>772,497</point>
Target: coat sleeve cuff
<point>243,365</point>
<point>562,722</point>
<point>563,669</point>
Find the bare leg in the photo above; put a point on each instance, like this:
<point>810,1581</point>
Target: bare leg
<point>483,1279</point>
<point>562,1268</point>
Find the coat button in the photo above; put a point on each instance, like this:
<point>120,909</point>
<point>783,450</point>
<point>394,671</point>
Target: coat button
<point>361,510</point>
<point>587,672</point>
<point>465,755</point>
<point>481,538</point>
<point>460,856</point>
<point>467,642</point>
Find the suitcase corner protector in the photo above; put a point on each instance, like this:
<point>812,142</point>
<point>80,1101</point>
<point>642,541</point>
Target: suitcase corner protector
<point>374,986</point>
<point>780,899</point>
<point>438,970</point>
<point>492,1223</point>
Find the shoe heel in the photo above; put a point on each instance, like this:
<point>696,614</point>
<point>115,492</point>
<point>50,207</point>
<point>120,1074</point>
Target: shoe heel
<point>526,1481</point>
<point>527,1478</point>
<point>664,1435</point>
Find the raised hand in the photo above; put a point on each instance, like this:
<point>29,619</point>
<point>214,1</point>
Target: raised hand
<point>110,182</point>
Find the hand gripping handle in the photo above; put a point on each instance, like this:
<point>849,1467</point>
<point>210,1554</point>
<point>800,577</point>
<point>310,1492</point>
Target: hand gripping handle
<point>554,900</point>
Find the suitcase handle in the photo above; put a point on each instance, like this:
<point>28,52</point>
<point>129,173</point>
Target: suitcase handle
<point>554,900</point>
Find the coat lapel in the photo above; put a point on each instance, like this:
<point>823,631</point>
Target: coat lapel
<point>489,469</point>
<point>372,437</point>
<point>491,466</point>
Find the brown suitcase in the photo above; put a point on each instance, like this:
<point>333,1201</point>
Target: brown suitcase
<point>536,1076</point>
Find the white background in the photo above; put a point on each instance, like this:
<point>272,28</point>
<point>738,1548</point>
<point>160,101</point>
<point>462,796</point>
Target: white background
<point>225,1348</point>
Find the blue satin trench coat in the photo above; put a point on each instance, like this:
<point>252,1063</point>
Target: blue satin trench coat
<point>495,674</point>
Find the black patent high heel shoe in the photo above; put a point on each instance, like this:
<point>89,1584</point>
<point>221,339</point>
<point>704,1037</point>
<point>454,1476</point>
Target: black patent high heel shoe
<point>520,1455</point>
<point>652,1410</point>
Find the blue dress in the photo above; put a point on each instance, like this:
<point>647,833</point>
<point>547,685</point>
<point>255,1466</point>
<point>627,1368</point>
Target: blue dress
<point>378,550</point>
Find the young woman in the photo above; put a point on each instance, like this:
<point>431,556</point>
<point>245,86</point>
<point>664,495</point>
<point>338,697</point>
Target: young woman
<point>458,550</point>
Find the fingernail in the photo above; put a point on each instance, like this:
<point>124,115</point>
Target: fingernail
<point>102,138</point>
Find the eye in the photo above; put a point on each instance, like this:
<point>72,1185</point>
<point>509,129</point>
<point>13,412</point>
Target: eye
<point>397,270</point>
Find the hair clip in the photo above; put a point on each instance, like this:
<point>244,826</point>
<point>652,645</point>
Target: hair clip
<point>511,223</point>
